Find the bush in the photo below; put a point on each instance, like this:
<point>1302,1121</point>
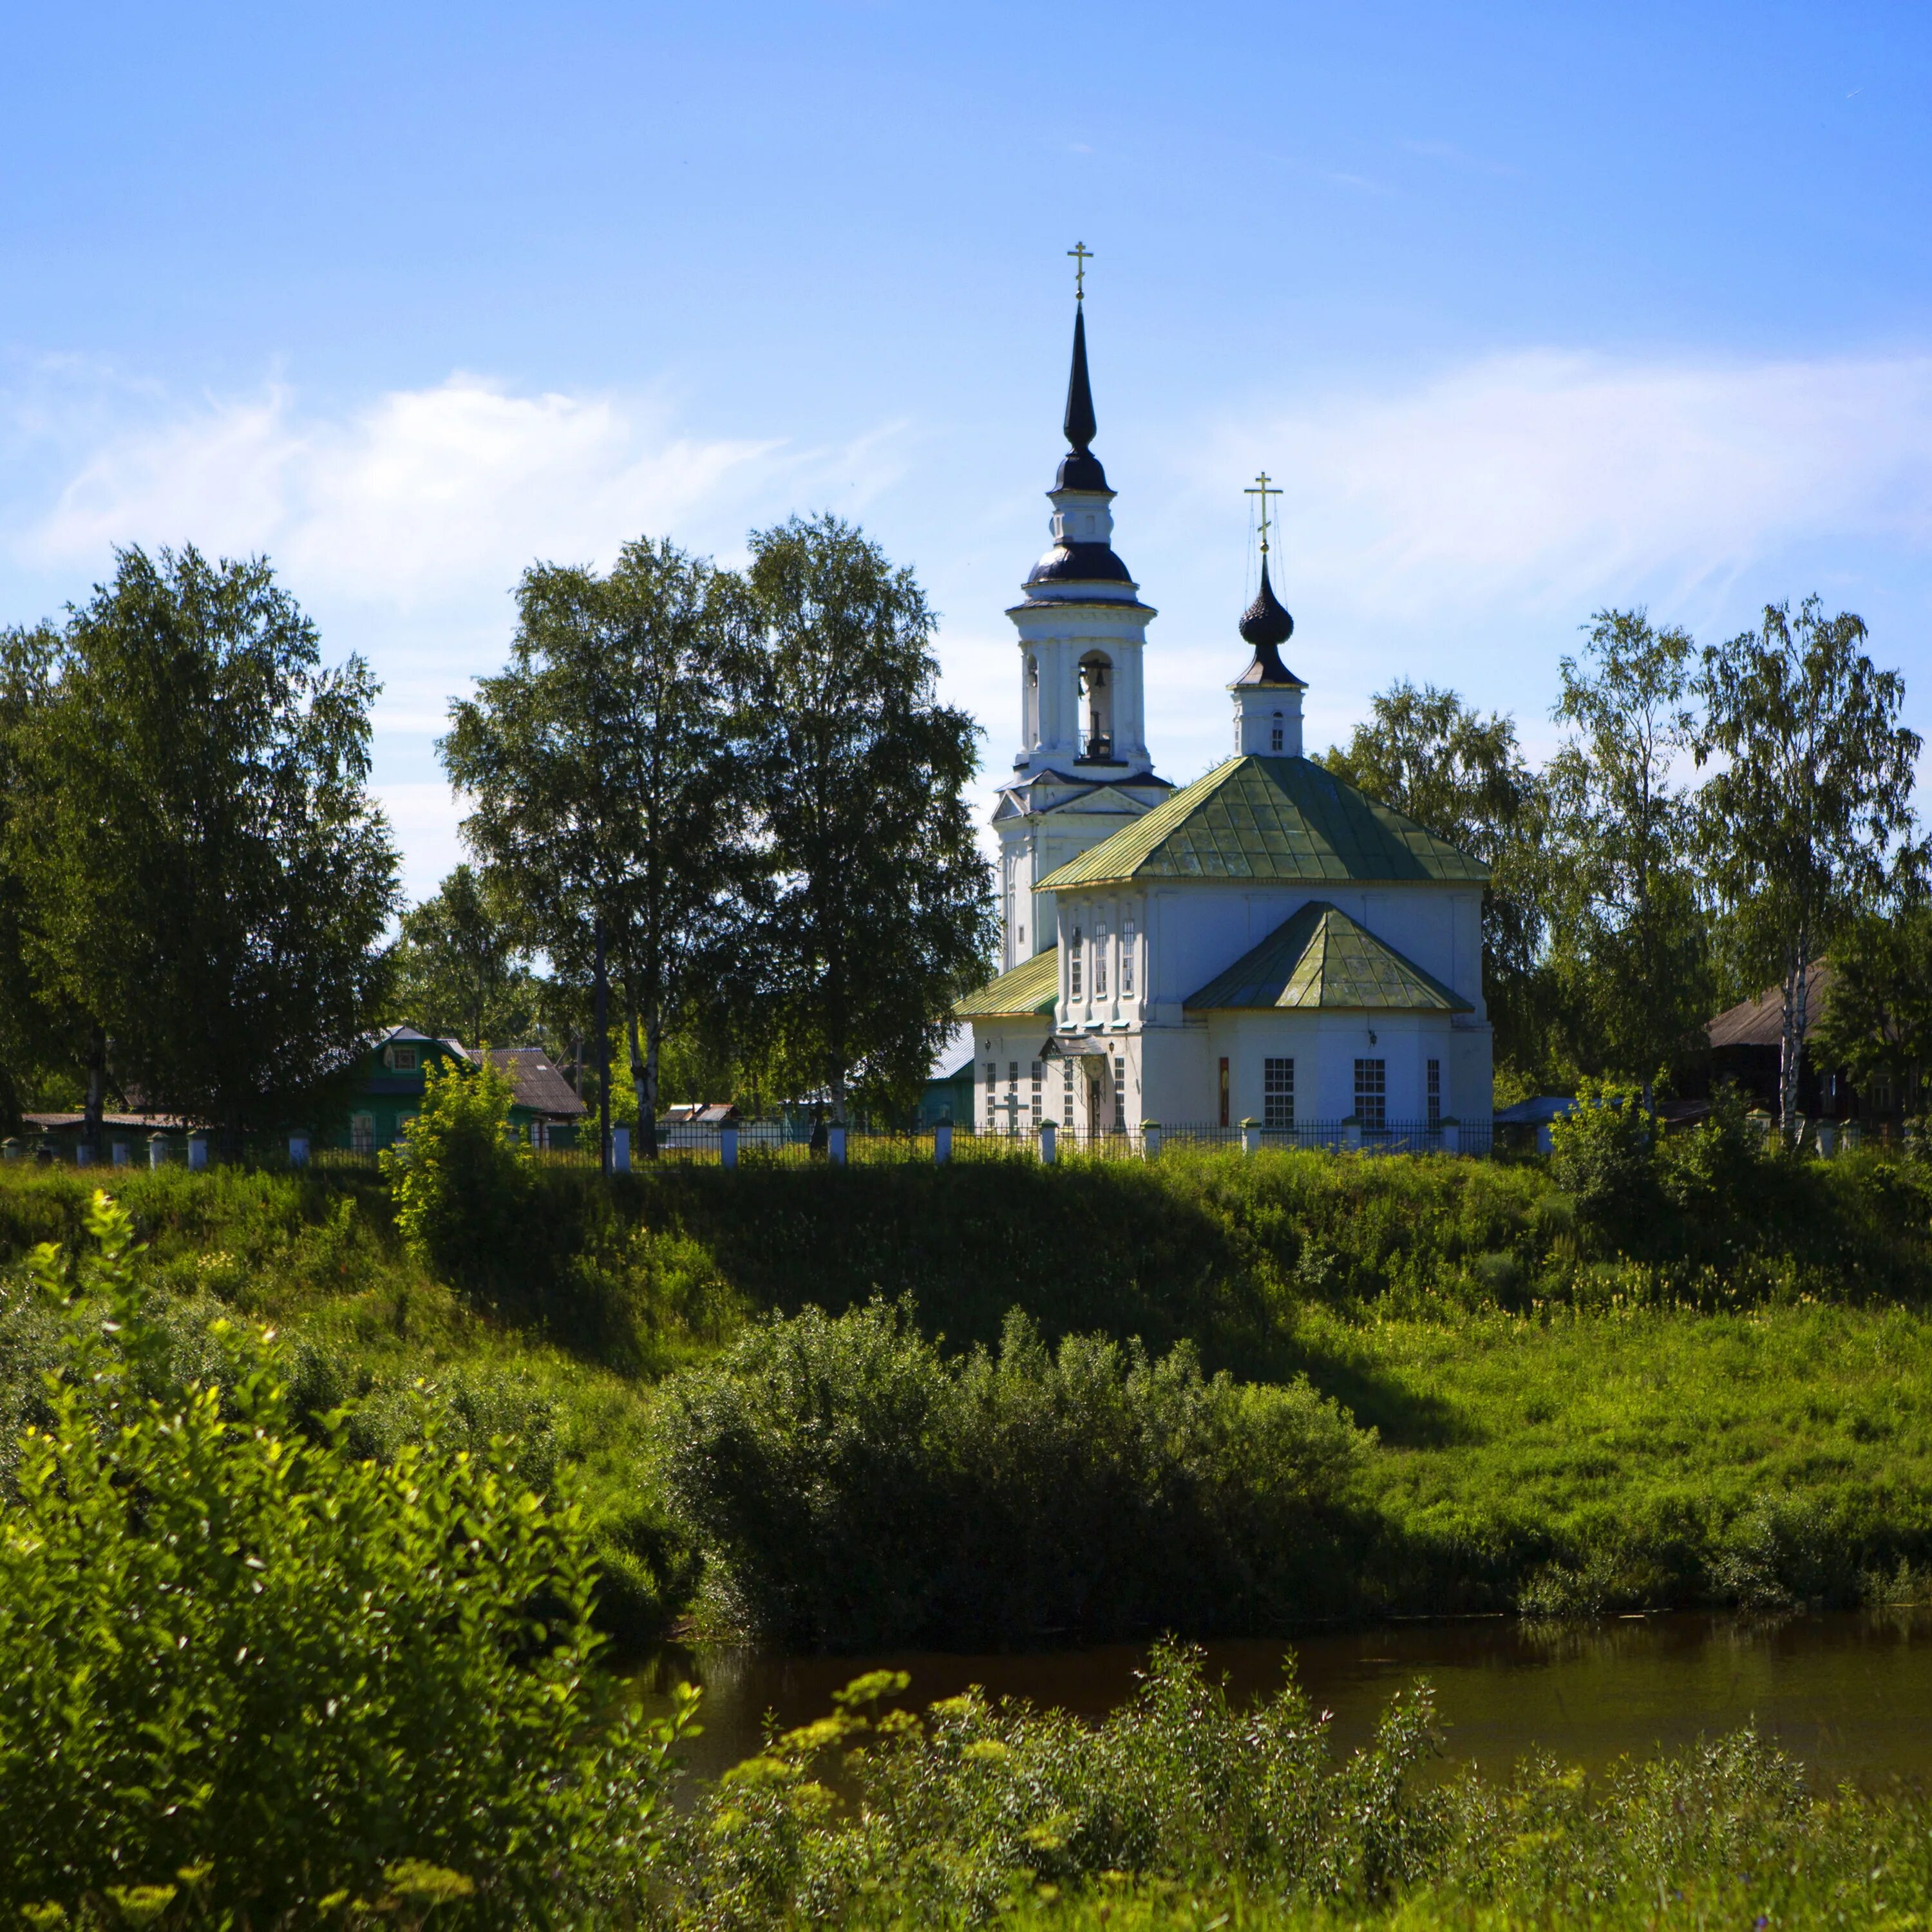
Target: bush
<point>1182,1808</point>
<point>237,1662</point>
<point>463,1185</point>
<point>855,1487</point>
<point>1600,1155</point>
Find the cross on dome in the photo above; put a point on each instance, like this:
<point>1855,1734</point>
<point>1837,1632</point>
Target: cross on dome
<point>1080,255</point>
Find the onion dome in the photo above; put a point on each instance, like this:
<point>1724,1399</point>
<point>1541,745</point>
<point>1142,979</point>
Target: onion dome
<point>1267,626</point>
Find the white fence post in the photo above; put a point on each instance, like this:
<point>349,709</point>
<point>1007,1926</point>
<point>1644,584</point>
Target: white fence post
<point>1828,1138</point>
<point>620,1150</point>
<point>1351,1134</point>
<point>1452,1135</point>
<point>298,1150</point>
<point>123,1154</point>
<point>157,1150</point>
<point>835,1145</point>
<point>1150,1139</point>
<point>728,1145</point>
<point>942,1143</point>
<point>1047,1143</point>
<point>83,1154</point>
<point>1251,1137</point>
<point>197,1152</point>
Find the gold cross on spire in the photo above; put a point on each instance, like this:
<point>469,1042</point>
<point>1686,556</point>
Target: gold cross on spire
<point>1080,254</point>
<point>1261,487</point>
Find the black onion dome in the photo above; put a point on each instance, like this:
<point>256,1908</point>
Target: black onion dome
<point>1267,626</point>
<point>1078,563</point>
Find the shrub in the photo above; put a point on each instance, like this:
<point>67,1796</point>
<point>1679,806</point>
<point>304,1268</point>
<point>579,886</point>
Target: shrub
<point>236,1661</point>
<point>463,1185</point>
<point>1600,1155</point>
<point>854,1486</point>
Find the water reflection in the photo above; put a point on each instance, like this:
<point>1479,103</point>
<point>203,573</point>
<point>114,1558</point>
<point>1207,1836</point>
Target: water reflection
<point>1851,1694</point>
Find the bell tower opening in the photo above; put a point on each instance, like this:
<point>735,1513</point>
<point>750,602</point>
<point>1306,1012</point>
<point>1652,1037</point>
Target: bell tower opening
<point>1096,698</point>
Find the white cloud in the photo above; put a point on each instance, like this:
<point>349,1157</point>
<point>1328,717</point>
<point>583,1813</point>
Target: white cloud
<point>1538,482</point>
<point>414,499</point>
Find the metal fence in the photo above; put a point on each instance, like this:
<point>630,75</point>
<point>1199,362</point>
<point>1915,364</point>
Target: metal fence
<point>776,1144</point>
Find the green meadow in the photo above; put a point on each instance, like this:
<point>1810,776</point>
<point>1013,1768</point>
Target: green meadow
<point>1733,1406</point>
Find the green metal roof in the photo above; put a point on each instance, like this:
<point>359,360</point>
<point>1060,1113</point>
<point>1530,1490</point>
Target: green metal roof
<point>1319,957</point>
<point>1288,821</point>
<point>1032,987</point>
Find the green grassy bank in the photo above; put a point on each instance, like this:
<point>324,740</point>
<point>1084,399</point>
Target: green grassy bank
<point>1728,1400</point>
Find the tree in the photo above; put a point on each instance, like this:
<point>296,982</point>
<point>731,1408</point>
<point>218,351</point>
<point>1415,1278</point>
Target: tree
<point>1810,821</point>
<point>1877,1021</point>
<point>1442,763</point>
<point>203,874</point>
<point>602,765</point>
<point>877,912</point>
<point>1630,926</point>
<point>40,1033</point>
<point>461,966</point>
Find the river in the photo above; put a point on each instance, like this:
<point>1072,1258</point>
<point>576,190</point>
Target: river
<point>1849,1693</point>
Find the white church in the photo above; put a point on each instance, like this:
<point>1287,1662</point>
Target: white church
<point>1266,944</point>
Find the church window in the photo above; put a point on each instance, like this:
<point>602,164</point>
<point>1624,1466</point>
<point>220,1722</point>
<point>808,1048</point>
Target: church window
<point>1224,1092</point>
<point>1274,734</point>
<point>1032,721</point>
<point>1435,1094</point>
<point>1120,1096</point>
<point>1100,960</point>
<point>1066,1095</point>
<point>1277,1095</point>
<point>1073,966</point>
<point>1127,954</point>
<point>1038,1076</point>
<point>1371,1094</point>
<point>992,1094</point>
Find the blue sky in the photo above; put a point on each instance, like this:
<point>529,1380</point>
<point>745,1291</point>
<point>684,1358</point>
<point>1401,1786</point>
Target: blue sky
<point>1532,309</point>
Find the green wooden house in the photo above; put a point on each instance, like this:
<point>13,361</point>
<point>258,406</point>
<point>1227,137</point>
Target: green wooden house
<point>546,1112</point>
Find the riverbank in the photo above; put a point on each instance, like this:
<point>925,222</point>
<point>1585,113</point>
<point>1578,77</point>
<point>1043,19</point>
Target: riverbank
<point>1555,1430</point>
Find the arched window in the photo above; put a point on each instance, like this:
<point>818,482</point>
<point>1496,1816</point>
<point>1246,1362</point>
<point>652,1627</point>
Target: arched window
<point>1073,975</point>
<point>1100,959</point>
<point>1096,691</point>
<point>1274,734</point>
<point>1031,722</point>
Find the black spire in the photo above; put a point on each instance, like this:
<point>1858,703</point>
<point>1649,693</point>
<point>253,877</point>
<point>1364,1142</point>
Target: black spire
<point>1081,470</point>
<point>1267,626</point>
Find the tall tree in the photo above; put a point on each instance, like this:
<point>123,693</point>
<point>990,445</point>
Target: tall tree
<point>40,1033</point>
<point>1809,820</point>
<point>878,910</point>
<point>1624,886</point>
<point>205,875</point>
<point>461,965</point>
<point>1444,764</point>
<point>602,767</point>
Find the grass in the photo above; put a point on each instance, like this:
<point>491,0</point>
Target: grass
<point>1737,1408</point>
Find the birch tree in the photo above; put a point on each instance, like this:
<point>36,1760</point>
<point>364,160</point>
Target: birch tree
<point>605,781</point>
<point>877,913</point>
<point>1808,819</point>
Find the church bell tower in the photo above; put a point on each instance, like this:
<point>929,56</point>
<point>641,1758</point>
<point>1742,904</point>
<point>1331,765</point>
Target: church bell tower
<point>1083,769</point>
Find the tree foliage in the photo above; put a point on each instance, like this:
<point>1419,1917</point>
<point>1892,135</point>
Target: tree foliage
<point>1629,932</point>
<point>1808,820</point>
<point>1877,1021</point>
<point>602,765</point>
<point>461,966</point>
<point>876,911</point>
<point>1424,752</point>
<point>203,877</point>
<point>240,1667</point>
